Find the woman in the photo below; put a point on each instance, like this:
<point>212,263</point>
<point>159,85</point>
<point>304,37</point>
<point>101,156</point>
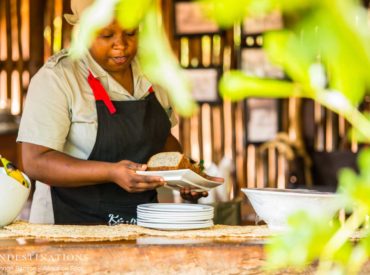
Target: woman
<point>87,126</point>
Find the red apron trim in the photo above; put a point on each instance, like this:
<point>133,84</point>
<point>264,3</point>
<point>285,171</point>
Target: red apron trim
<point>150,90</point>
<point>100,93</point>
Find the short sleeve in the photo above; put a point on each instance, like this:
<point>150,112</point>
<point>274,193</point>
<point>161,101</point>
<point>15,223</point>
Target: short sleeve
<point>163,98</point>
<point>46,117</point>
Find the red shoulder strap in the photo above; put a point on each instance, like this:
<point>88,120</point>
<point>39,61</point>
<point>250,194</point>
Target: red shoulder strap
<point>100,93</point>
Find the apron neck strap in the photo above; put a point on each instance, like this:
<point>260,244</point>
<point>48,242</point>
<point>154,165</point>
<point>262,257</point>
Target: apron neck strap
<point>100,93</point>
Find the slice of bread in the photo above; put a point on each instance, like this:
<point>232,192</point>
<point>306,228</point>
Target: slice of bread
<point>171,161</point>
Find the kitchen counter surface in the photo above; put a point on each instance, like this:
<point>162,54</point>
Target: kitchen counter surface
<point>144,255</point>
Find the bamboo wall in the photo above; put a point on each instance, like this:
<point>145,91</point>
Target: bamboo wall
<point>14,53</point>
<point>20,56</point>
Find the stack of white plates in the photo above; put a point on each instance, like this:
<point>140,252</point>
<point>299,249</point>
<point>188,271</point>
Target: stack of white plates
<point>174,216</point>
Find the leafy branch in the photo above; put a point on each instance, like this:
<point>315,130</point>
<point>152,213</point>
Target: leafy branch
<point>310,239</point>
<point>325,51</point>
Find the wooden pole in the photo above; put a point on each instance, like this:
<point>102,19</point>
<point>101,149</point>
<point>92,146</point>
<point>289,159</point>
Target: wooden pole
<point>20,64</point>
<point>9,64</point>
<point>37,35</point>
<point>66,28</point>
<point>51,17</point>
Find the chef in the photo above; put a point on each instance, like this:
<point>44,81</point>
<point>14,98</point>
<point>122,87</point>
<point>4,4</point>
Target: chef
<point>88,125</point>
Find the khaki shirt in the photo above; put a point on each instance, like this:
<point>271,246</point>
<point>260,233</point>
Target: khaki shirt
<point>60,113</point>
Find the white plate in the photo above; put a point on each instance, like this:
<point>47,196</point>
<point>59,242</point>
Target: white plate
<point>177,219</point>
<point>174,214</point>
<point>176,179</point>
<point>175,207</point>
<point>171,221</point>
<point>169,226</point>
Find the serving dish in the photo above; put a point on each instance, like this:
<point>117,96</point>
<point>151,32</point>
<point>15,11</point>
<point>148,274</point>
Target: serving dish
<point>275,205</point>
<point>13,196</point>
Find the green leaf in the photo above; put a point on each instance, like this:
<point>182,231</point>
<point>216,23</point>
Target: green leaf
<point>302,243</point>
<point>354,133</point>
<point>365,242</point>
<point>235,85</point>
<point>342,256</point>
<point>296,5</point>
<point>225,12</point>
<point>359,255</point>
<point>285,49</point>
<point>131,12</point>
<point>334,38</point>
<point>161,66</point>
<point>364,164</point>
<point>356,188</point>
<point>347,178</point>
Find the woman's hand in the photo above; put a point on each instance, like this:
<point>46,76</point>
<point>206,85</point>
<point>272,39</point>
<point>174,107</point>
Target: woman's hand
<point>124,174</point>
<point>193,196</point>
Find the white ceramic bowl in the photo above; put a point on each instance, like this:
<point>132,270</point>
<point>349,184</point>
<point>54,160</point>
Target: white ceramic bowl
<point>13,196</point>
<point>275,205</point>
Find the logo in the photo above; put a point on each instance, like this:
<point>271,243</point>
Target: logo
<point>116,219</point>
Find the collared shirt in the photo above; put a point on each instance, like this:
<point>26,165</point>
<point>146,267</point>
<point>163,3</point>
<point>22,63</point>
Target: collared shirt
<point>60,112</point>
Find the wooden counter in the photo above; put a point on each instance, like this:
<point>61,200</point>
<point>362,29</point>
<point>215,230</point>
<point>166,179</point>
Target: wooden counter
<point>145,255</point>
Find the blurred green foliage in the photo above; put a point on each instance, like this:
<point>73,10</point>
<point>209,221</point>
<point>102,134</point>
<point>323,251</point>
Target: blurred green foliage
<point>305,240</point>
<point>356,187</point>
<point>324,49</point>
<point>320,239</point>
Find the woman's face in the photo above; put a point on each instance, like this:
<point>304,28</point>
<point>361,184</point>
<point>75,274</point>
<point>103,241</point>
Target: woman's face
<point>114,48</point>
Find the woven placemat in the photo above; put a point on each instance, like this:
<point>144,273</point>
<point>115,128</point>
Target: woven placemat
<point>82,233</point>
<point>73,233</point>
<point>7,234</point>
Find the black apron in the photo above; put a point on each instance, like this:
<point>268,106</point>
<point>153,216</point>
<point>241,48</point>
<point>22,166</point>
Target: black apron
<point>127,130</point>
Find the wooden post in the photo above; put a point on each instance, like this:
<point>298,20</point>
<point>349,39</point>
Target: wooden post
<point>20,64</point>
<point>9,65</point>
<point>66,27</point>
<point>37,35</point>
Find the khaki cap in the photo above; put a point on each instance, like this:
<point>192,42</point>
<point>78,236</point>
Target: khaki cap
<point>77,7</point>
